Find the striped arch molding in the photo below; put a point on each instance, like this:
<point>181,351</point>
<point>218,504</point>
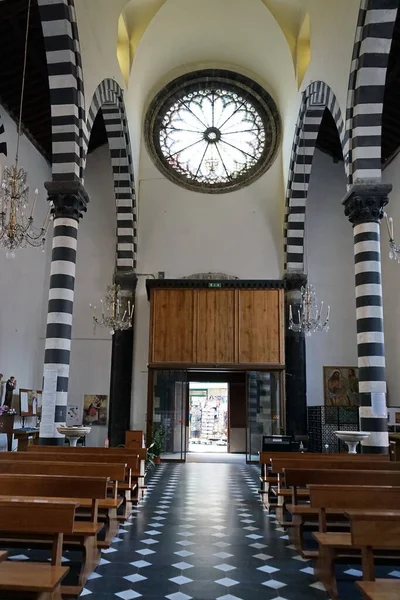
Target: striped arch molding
<point>63,55</point>
<point>108,98</point>
<point>366,89</point>
<point>316,98</point>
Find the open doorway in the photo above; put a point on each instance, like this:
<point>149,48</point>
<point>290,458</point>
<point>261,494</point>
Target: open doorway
<point>208,416</point>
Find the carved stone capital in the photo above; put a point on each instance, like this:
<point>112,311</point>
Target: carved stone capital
<point>69,199</point>
<point>364,203</point>
<point>127,282</point>
<point>294,280</point>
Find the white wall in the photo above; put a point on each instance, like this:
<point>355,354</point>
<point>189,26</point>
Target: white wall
<point>183,232</point>
<point>331,270</point>
<point>391,286</point>
<point>91,353</point>
<point>23,281</point>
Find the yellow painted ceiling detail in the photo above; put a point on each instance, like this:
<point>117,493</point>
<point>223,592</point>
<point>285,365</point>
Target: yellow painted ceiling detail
<point>303,50</point>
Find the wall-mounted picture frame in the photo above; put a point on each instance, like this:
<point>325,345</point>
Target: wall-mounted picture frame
<point>95,409</point>
<point>341,386</point>
<point>30,402</point>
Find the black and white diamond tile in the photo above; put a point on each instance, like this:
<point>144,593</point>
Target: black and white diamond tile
<point>202,533</point>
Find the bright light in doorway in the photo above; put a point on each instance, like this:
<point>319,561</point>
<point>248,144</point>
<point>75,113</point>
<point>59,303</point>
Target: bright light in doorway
<point>208,417</point>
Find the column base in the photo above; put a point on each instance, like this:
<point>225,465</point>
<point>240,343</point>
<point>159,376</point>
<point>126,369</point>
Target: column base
<point>51,441</point>
<point>374,449</point>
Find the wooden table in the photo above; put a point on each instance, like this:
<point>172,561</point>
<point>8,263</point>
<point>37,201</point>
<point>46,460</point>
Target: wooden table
<point>23,435</point>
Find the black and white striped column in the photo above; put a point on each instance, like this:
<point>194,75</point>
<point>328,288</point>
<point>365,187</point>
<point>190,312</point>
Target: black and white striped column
<point>364,207</point>
<point>69,200</point>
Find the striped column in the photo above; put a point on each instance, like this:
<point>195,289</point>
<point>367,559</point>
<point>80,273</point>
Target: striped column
<point>68,200</point>
<point>364,207</point>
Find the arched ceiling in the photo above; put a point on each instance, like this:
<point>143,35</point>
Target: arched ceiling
<point>188,34</point>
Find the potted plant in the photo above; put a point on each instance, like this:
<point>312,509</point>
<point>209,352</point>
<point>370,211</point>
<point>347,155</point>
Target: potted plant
<point>157,445</point>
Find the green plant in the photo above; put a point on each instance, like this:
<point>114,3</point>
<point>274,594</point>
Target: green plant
<point>157,443</point>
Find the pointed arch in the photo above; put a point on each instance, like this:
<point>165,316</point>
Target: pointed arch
<point>366,89</point>
<point>317,97</point>
<point>109,98</point>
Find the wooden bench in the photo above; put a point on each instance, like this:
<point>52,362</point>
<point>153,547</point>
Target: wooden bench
<point>127,487</point>
<point>343,498</point>
<point>381,589</point>
<point>90,492</point>
<point>141,453</point>
<point>53,520</point>
<point>269,478</point>
<point>303,513</point>
<point>280,465</point>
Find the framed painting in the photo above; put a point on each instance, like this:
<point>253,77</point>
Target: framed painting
<point>95,409</point>
<point>341,386</point>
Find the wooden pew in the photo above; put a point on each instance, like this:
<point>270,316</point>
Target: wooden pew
<point>302,513</point>
<point>135,460</point>
<point>125,485</point>
<point>120,452</point>
<point>268,478</point>
<point>366,528</point>
<point>381,589</point>
<point>83,535</point>
<point>52,520</point>
<point>280,465</point>
<point>90,492</point>
<point>344,498</point>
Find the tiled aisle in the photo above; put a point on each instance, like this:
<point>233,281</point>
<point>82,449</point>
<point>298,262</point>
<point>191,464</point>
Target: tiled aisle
<point>202,533</point>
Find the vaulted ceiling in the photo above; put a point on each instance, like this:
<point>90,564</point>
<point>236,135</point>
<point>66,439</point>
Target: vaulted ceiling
<point>36,114</point>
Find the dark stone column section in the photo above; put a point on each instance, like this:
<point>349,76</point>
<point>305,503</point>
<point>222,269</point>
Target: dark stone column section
<point>119,416</point>
<point>295,351</point>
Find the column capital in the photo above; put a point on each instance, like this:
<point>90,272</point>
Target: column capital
<point>126,281</point>
<point>294,280</point>
<point>69,199</point>
<point>364,202</point>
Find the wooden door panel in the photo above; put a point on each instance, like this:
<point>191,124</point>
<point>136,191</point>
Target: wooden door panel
<point>260,327</point>
<point>173,326</point>
<point>216,326</point>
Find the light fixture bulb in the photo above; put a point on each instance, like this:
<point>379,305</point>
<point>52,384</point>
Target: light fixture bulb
<point>10,254</point>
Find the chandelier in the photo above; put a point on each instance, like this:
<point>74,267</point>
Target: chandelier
<point>116,315</point>
<point>17,228</point>
<point>309,315</point>
<point>394,249</point>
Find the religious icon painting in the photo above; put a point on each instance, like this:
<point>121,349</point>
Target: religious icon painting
<point>341,386</point>
<point>95,409</point>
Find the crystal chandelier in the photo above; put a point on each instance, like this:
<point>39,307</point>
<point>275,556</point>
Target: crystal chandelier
<point>17,229</point>
<point>394,249</point>
<point>114,316</point>
<point>309,315</point>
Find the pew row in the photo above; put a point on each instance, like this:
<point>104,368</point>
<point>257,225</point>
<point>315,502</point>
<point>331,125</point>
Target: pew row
<point>89,492</point>
<point>123,485</point>
<point>269,478</point>
<point>303,514</point>
<point>346,499</point>
<point>48,520</point>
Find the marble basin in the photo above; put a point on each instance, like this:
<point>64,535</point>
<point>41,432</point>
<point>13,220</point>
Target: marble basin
<point>73,433</point>
<point>352,438</point>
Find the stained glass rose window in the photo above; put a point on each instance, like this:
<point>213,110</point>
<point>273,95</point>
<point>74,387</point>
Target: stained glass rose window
<point>213,131</point>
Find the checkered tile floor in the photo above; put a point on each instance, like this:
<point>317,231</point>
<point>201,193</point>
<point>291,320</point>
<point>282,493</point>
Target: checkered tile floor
<point>202,534</point>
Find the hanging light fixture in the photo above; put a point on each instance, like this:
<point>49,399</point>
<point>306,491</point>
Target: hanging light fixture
<point>310,315</point>
<point>394,249</point>
<point>17,227</point>
<point>116,314</point>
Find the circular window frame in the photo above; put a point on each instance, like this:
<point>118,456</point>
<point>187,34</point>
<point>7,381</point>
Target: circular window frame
<point>206,79</point>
